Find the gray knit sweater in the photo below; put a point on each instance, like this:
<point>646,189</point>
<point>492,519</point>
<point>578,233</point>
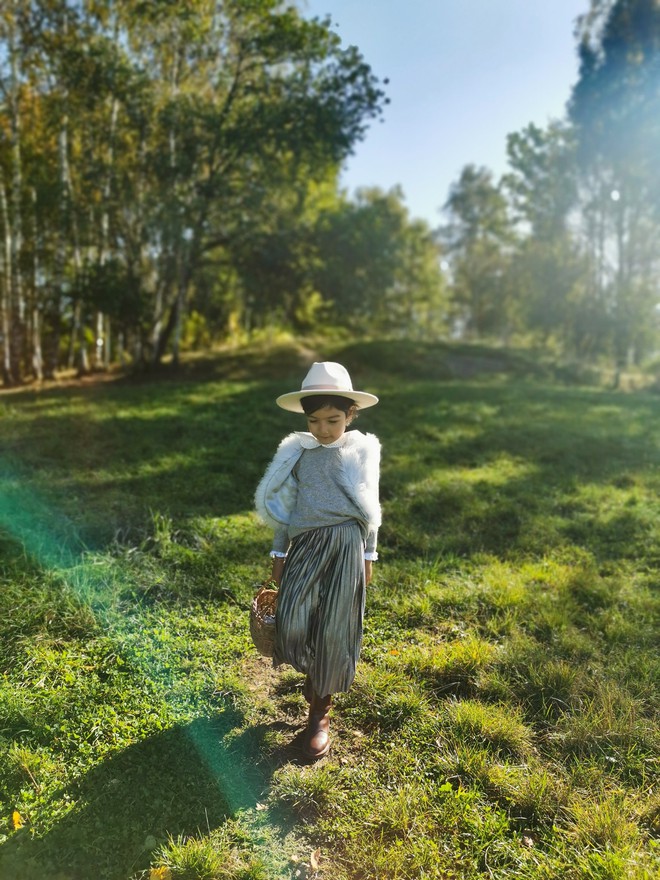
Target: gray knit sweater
<point>321,500</point>
<point>308,486</point>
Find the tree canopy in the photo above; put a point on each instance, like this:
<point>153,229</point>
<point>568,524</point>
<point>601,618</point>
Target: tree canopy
<point>170,176</point>
<point>563,248</point>
<point>142,141</point>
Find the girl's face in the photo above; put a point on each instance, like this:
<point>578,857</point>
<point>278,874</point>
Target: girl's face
<point>327,424</point>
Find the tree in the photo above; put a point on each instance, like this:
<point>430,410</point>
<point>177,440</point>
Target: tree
<point>12,87</point>
<point>378,269</point>
<point>541,182</point>
<point>546,267</point>
<point>280,97</point>
<point>478,239</point>
<point>164,134</point>
<point>615,107</point>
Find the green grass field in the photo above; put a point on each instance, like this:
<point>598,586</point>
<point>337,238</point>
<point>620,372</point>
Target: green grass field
<point>504,720</point>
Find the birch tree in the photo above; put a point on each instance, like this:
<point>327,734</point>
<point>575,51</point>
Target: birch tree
<point>13,300</point>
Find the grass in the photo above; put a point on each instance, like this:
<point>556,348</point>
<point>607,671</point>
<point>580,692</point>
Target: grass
<point>504,719</point>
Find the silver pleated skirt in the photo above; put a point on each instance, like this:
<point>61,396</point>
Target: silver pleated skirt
<point>320,609</point>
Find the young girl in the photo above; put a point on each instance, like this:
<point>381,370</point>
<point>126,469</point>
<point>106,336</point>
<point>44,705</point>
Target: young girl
<point>320,495</point>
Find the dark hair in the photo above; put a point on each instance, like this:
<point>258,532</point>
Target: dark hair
<point>318,401</point>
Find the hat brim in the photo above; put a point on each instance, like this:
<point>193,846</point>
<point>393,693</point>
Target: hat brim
<point>291,401</point>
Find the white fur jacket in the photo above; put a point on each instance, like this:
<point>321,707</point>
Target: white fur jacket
<point>359,474</point>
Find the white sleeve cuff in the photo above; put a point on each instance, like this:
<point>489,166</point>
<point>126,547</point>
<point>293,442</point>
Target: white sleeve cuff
<point>278,553</point>
<point>371,557</point>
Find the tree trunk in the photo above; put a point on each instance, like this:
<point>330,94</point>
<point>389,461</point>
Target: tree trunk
<point>167,331</point>
<point>5,303</point>
<point>15,294</point>
<point>67,210</point>
<point>37,354</point>
<point>102,347</point>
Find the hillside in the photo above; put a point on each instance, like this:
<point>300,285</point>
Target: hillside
<point>504,718</point>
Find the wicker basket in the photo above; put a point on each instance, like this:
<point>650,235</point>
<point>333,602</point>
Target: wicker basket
<point>262,620</point>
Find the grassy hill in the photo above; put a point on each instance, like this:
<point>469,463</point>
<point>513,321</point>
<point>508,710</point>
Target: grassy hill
<point>504,719</point>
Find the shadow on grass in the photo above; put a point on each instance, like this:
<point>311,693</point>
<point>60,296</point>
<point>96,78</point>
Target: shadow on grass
<point>89,472</point>
<point>185,781</point>
<point>86,463</point>
<point>501,468</point>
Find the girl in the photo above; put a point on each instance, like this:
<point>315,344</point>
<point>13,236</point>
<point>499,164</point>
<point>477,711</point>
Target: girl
<point>320,496</point>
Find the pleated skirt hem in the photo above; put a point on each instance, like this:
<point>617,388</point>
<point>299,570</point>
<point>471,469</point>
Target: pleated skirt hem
<point>320,609</point>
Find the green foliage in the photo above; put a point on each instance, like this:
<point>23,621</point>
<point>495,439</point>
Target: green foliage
<point>145,141</point>
<point>475,238</point>
<point>563,249</point>
<point>220,856</point>
<point>503,720</point>
<point>174,183</point>
<point>378,269</point>
<point>542,178</point>
<point>319,260</point>
<point>614,107</point>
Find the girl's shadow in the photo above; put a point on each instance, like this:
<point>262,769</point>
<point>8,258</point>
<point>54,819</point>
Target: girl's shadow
<point>184,781</point>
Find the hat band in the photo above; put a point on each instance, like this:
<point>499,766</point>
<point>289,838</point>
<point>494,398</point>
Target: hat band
<point>323,388</point>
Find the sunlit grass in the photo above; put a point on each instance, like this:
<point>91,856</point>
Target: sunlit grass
<point>503,721</point>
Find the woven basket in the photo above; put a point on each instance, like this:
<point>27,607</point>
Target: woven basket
<point>262,620</point>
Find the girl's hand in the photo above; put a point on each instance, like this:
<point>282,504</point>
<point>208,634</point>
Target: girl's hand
<point>367,571</point>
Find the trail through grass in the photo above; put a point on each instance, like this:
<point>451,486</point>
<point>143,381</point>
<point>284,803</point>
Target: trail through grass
<point>504,721</point>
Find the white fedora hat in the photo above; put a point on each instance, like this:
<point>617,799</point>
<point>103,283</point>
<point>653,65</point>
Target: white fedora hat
<point>326,377</point>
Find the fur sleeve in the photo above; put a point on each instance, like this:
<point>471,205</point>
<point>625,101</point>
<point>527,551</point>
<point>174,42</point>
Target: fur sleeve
<point>361,473</point>
<point>275,495</point>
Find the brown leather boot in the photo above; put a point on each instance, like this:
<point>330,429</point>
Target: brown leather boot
<point>317,743</point>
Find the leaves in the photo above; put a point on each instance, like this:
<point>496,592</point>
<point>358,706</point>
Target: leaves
<point>152,136</point>
<point>615,107</point>
<point>477,238</point>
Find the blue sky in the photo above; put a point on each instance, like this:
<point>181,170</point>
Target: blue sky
<point>463,74</point>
